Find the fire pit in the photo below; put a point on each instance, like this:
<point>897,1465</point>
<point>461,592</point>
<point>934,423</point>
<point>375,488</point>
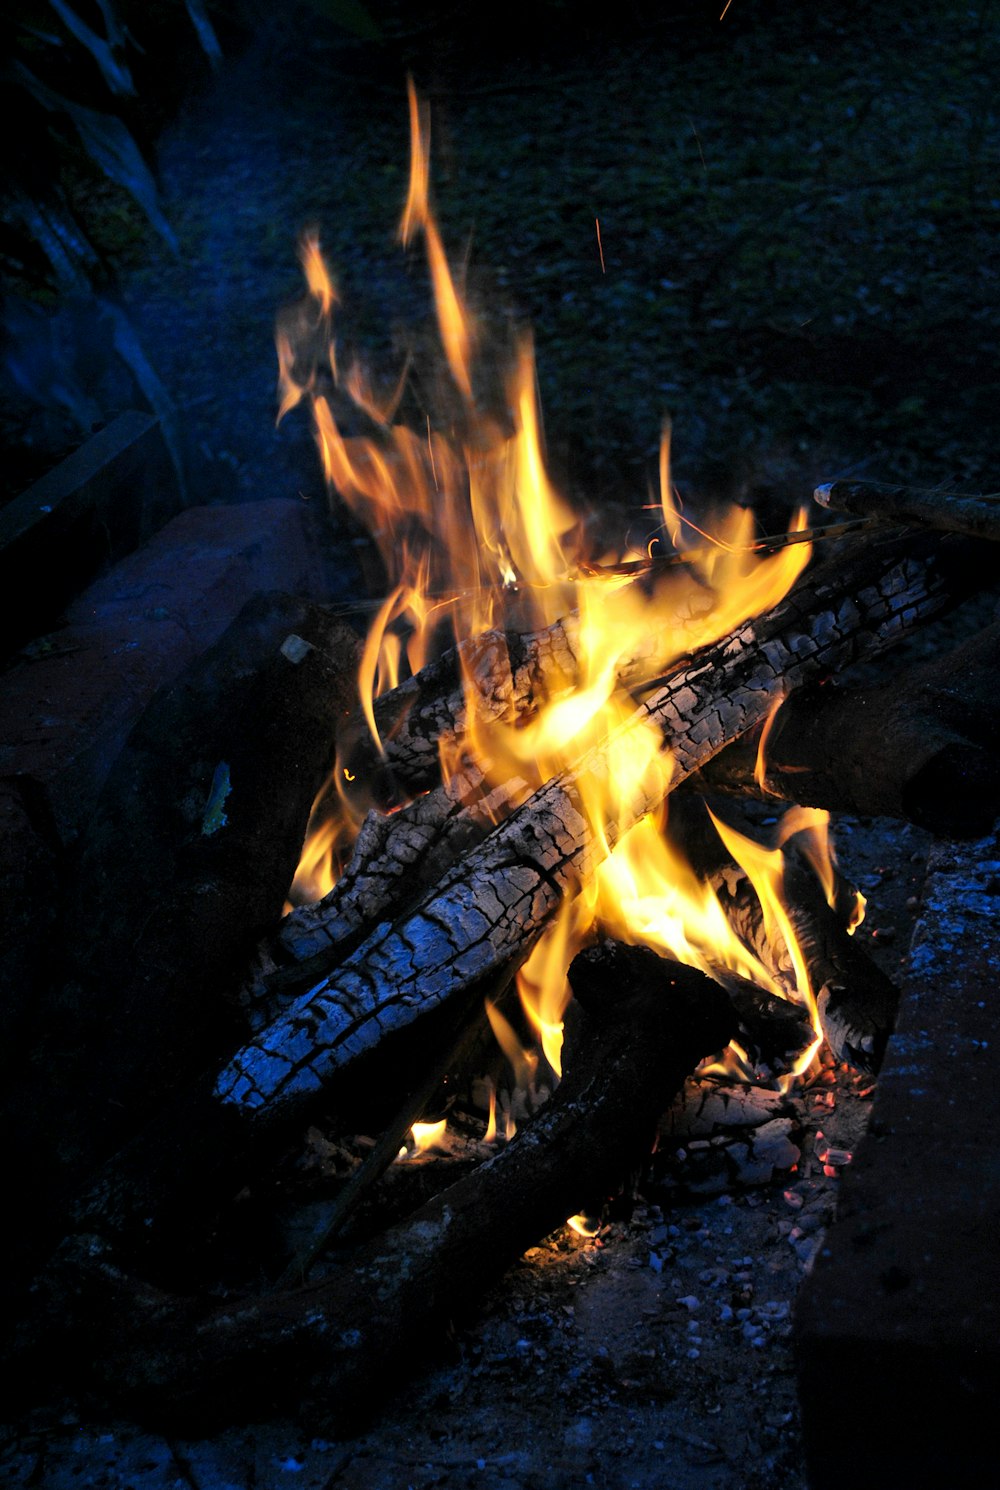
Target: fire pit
<point>514,778</point>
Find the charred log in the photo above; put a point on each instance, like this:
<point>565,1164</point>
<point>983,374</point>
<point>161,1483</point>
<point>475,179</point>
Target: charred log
<point>923,745</point>
<point>856,1001</point>
<point>397,858</point>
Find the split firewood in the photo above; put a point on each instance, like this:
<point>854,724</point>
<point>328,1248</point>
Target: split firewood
<point>977,517</point>
<point>348,1334</point>
<point>492,907</point>
<point>487,912</point>
<point>397,857</point>
<point>923,745</point>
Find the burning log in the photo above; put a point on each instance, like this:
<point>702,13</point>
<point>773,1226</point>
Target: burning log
<point>648,1023</point>
<point>507,674</point>
<point>490,909</point>
<point>397,858</point>
<point>487,912</point>
<point>977,517</point>
<point>922,745</point>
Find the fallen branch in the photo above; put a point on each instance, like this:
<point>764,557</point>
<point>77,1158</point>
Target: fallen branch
<point>977,517</point>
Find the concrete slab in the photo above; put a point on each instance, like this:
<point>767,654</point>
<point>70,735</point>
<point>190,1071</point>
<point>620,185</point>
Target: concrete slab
<point>898,1326</point>
<point>67,706</point>
<point>89,511</point>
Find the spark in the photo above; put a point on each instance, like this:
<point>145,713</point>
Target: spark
<point>600,247</point>
<point>724,9</point>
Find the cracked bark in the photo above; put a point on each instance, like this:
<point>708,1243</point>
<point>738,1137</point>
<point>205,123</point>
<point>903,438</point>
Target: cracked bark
<point>949,777</point>
<point>492,907</point>
<point>509,675</point>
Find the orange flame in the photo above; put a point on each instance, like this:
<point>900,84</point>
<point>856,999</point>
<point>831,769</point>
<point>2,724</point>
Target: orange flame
<point>471,528</point>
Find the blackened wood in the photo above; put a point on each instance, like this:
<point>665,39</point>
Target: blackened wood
<point>509,675</point>
<point>923,745</point>
<point>856,1001</point>
<point>396,859</point>
<point>491,908</point>
<point>977,517</point>
<point>348,1335</point>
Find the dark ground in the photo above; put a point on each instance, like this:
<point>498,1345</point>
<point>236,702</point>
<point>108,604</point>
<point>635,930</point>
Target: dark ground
<point>799,209</point>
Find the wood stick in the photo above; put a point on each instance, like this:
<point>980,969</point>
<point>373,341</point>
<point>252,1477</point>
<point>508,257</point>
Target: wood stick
<point>492,907</point>
<point>397,858</point>
<point>507,675</point>
<point>948,512</point>
<point>857,1002</point>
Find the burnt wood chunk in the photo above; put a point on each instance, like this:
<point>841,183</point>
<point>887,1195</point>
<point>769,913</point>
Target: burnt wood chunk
<point>491,908</point>
<point>923,745</point>
<point>410,977</point>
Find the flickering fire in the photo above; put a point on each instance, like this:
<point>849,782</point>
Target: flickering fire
<point>474,534</point>
<point>425,1136</point>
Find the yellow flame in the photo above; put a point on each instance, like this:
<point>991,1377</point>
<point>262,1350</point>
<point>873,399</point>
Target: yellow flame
<point>491,1127</point>
<point>454,322</point>
<point>426,1135</point>
<point>523,1063</point>
<point>584,1225</point>
<point>471,528</point>
<point>765,870</point>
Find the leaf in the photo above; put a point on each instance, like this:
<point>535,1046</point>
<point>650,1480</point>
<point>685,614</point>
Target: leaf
<point>109,144</point>
<point>205,31</point>
<point>114,71</point>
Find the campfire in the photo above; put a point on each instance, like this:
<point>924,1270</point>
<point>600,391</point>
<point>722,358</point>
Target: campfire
<point>531,920</point>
